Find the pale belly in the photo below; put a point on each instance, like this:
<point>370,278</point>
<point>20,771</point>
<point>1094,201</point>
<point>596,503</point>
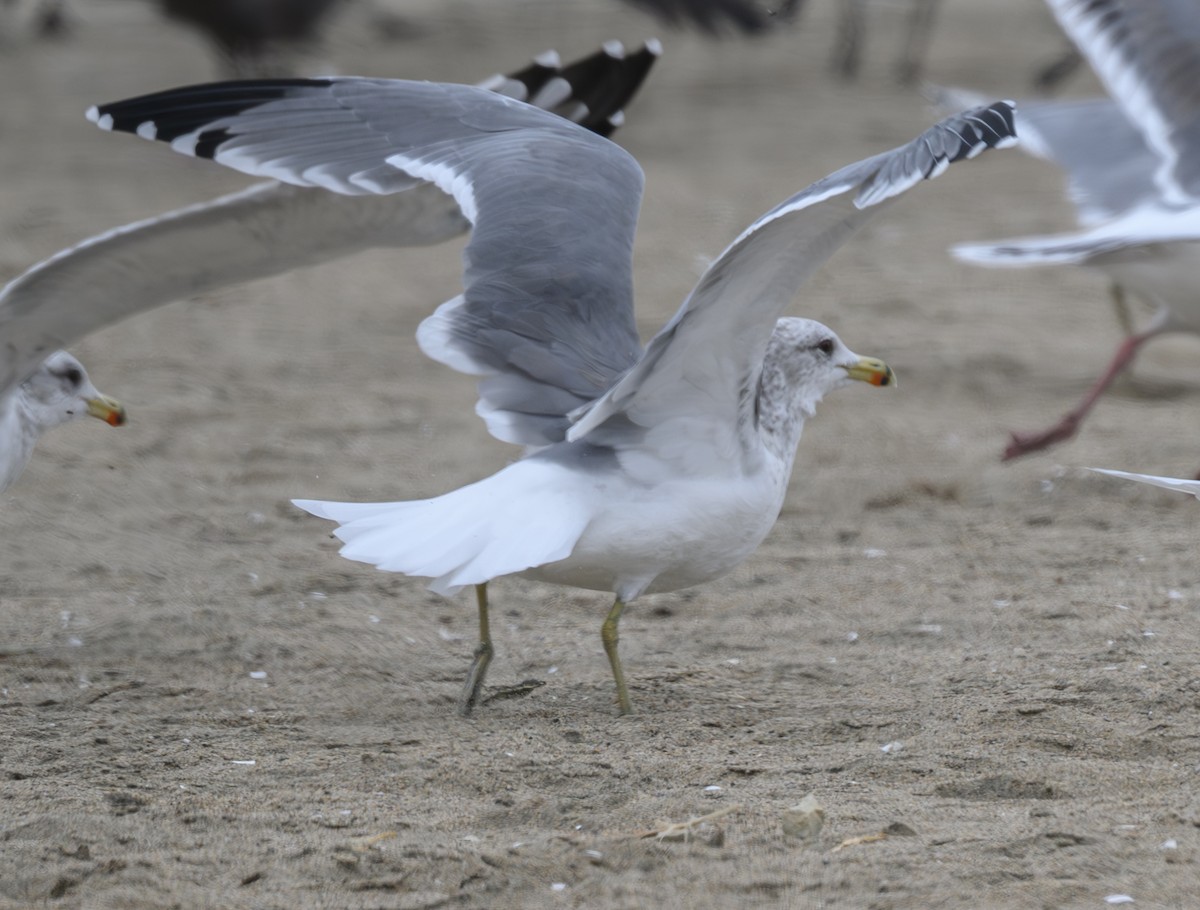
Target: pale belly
<point>683,533</point>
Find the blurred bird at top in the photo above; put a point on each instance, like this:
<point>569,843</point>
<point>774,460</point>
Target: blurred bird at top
<point>851,36</point>
<point>257,38</point>
<point>1133,163</point>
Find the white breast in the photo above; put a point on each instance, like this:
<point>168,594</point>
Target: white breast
<point>684,532</point>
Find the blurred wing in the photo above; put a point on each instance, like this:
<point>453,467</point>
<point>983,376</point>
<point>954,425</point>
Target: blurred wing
<point>547,312</point>
<point>1133,232</point>
<point>264,230</point>
<point>703,368</point>
<point>1147,53</point>
<point>1167,483</point>
<point>272,228</point>
<point>1108,165</point>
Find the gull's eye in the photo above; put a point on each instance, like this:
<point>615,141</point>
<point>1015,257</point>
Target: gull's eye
<point>74,376</point>
<point>825,346</point>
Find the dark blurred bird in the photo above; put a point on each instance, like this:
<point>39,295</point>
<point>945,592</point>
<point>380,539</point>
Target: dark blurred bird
<point>852,22</point>
<point>255,37</point>
<point>259,37</point>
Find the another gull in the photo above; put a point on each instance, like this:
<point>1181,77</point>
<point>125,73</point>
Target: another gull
<point>58,390</point>
<point>1134,166</point>
<point>646,469</point>
<point>264,230</point>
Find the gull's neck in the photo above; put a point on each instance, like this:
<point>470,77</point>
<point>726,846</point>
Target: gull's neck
<point>781,406</point>
<point>18,435</point>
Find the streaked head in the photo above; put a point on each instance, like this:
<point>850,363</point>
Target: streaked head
<point>59,391</point>
<point>812,361</point>
<point>804,362</point>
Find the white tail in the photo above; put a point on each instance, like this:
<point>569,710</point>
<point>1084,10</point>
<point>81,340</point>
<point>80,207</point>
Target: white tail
<point>506,523</point>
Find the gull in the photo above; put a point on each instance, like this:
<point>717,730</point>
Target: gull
<point>1177,484</point>
<point>264,230</point>
<point>55,392</point>
<point>1134,166</point>
<point>645,469</point>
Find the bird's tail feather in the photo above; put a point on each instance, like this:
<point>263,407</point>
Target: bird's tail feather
<point>516,519</point>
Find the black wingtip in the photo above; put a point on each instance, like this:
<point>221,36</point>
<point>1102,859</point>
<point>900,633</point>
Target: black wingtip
<point>167,115</point>
<point>607,81</point>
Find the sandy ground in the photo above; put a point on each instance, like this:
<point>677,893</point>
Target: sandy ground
<point>206,707</point>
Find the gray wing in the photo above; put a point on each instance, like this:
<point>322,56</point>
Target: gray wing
<point>1108,165</point>
<point>1147,53</point>
<point>547,311</point>
<point>271,228</point>
<point>699,376</point>
<point>264,230</point>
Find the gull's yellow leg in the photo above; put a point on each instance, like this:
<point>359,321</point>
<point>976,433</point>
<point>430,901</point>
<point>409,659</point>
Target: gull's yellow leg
<point>483,656</point>
<point>608,633</point>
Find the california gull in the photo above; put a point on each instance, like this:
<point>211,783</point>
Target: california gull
<point>264,230</point>
<point>646,469</point>
<point>1134,166</point>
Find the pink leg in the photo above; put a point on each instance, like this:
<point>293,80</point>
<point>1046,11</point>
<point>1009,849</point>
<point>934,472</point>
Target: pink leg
<point>1023,443</point>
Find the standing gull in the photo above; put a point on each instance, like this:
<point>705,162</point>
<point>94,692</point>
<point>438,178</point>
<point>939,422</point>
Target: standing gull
<point>267,229</point>
<point>1134,166</point>
<point>646,469</point>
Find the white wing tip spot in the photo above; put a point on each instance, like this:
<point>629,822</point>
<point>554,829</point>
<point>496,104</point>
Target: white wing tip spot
<point>105,122</point>
<point>147,129</point>
<point>614,49</point>
<point>655,47</point>
<point>549,59</point>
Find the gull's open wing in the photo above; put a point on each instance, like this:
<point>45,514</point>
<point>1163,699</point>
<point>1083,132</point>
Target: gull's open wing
<point>698,379</point>
<point>1109,167</point>
<point>271,228</point>
<point>547,314</point>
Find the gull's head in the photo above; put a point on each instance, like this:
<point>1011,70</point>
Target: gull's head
<point>804,362</point>
<point>810,361</point>
<point>59,390</point>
